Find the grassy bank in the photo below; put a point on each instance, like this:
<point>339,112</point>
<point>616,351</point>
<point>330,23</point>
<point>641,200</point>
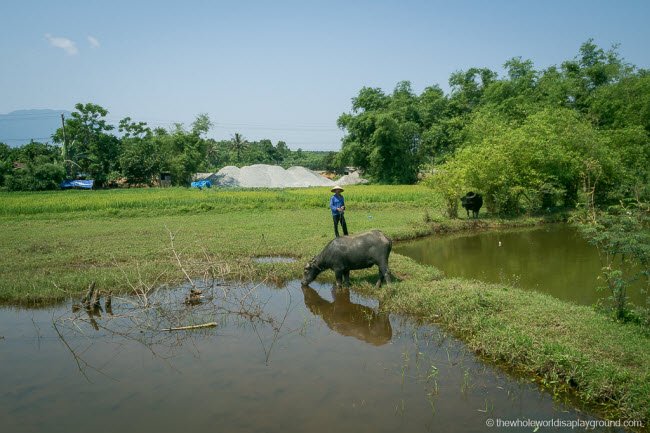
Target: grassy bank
<point>565,346</point>
<point>56,243</point>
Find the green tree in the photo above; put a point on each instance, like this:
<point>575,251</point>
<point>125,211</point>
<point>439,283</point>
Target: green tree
<point>238,144</point>
<point>140,158</point>
<point>621,236</point>
<point>91,149</point>
<point>5,162</point>
<point>333,164</point>
<point>202,125</point>
<point>592,69</point>
<point>184,153</point>
<point>43,169</point>
<point>468,88</point>
<point>384,134</point>
<point>282,151</point>
<point>538,161</point>
<point>131,129</point>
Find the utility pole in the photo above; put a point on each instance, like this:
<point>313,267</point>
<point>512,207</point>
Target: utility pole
<point>65,148</point>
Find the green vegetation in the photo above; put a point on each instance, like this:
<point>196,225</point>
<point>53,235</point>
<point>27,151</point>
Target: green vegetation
<point>531,141</point>
<point>154,201</point>
<point>67,238</point>
<point>621,235</point>
<point>52,249</point>
<point>532,132</point>
<point>524,140</point>
<point>90,149</point>
<point>41,167</point>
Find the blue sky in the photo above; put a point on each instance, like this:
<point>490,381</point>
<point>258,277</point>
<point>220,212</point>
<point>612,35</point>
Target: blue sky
<point>282,70</point>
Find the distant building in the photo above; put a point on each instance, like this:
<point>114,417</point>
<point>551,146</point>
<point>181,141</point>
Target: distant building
<point>165,179</point>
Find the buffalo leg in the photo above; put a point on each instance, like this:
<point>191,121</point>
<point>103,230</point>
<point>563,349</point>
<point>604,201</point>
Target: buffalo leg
<point>381,277</point>
<point>385,272</point>
<point>346,276</point>
<point>339,278</point>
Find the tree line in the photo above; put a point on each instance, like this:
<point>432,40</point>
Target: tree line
<point>136,153</point>
<point>526,140</point>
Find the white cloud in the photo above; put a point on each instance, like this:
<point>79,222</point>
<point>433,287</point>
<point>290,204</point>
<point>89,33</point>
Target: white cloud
<point>68,46</point>
<point>93,42</point>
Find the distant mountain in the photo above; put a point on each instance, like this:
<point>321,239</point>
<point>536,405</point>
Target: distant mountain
<point>21,126</point>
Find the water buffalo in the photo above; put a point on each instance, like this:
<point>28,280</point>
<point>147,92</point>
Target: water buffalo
<point>472,201</point>
<point>346,253</point>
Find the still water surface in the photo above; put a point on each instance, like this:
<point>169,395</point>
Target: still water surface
<point>295,359</point>
<point>553,259</point>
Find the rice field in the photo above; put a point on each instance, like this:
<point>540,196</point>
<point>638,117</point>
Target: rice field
<point>186,200</point>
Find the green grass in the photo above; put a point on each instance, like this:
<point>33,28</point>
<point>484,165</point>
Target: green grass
<point>128,202</point>
<point>56,243</point>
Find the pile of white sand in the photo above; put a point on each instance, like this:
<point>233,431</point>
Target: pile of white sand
<point>265,176</point>
<point>273,176</point>
<point>351,179</point>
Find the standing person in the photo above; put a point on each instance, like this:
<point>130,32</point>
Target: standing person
<point>337,205</point>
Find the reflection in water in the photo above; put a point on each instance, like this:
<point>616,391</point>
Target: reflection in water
<point>266,367</point>
<point>348,319</point>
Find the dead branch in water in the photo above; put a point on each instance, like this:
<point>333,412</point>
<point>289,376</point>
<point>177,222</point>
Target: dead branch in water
<point>96,297</point>
<point>172,236</point>
<point>149,313</point>
<point>85,301</point>
<point>183,328</point>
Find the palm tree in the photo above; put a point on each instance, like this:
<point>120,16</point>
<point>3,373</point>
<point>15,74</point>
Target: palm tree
<point>212,152</point>
<point>238,144</point>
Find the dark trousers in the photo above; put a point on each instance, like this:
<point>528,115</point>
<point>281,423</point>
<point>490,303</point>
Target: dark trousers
<point>340,218</point>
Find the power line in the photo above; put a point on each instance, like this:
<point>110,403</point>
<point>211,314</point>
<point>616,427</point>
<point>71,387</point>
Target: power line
<point>283,125</point>
<point>26,138</point>
<point>4,119</point>
<point>55,113</point>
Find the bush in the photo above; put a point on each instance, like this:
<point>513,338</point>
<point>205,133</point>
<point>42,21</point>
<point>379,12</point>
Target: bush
<point>35,177</point>
<point>537,163</point>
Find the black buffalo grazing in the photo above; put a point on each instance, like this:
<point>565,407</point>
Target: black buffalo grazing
<point>347,253</point>
<point>472,201</point>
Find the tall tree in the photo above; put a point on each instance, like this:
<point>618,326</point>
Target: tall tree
<point>202,125</point>
<point>238,144</point>
<point>384,134</point>
<point>92,149</point>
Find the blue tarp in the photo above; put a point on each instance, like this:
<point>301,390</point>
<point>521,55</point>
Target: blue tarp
<point>202,183</point>
<point>77,183</point>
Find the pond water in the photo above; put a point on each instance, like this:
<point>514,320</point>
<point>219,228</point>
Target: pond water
<point>281,359</point>
<point>553,259</point>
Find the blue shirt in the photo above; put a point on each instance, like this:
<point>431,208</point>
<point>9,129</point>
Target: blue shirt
<point>336,202</point>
